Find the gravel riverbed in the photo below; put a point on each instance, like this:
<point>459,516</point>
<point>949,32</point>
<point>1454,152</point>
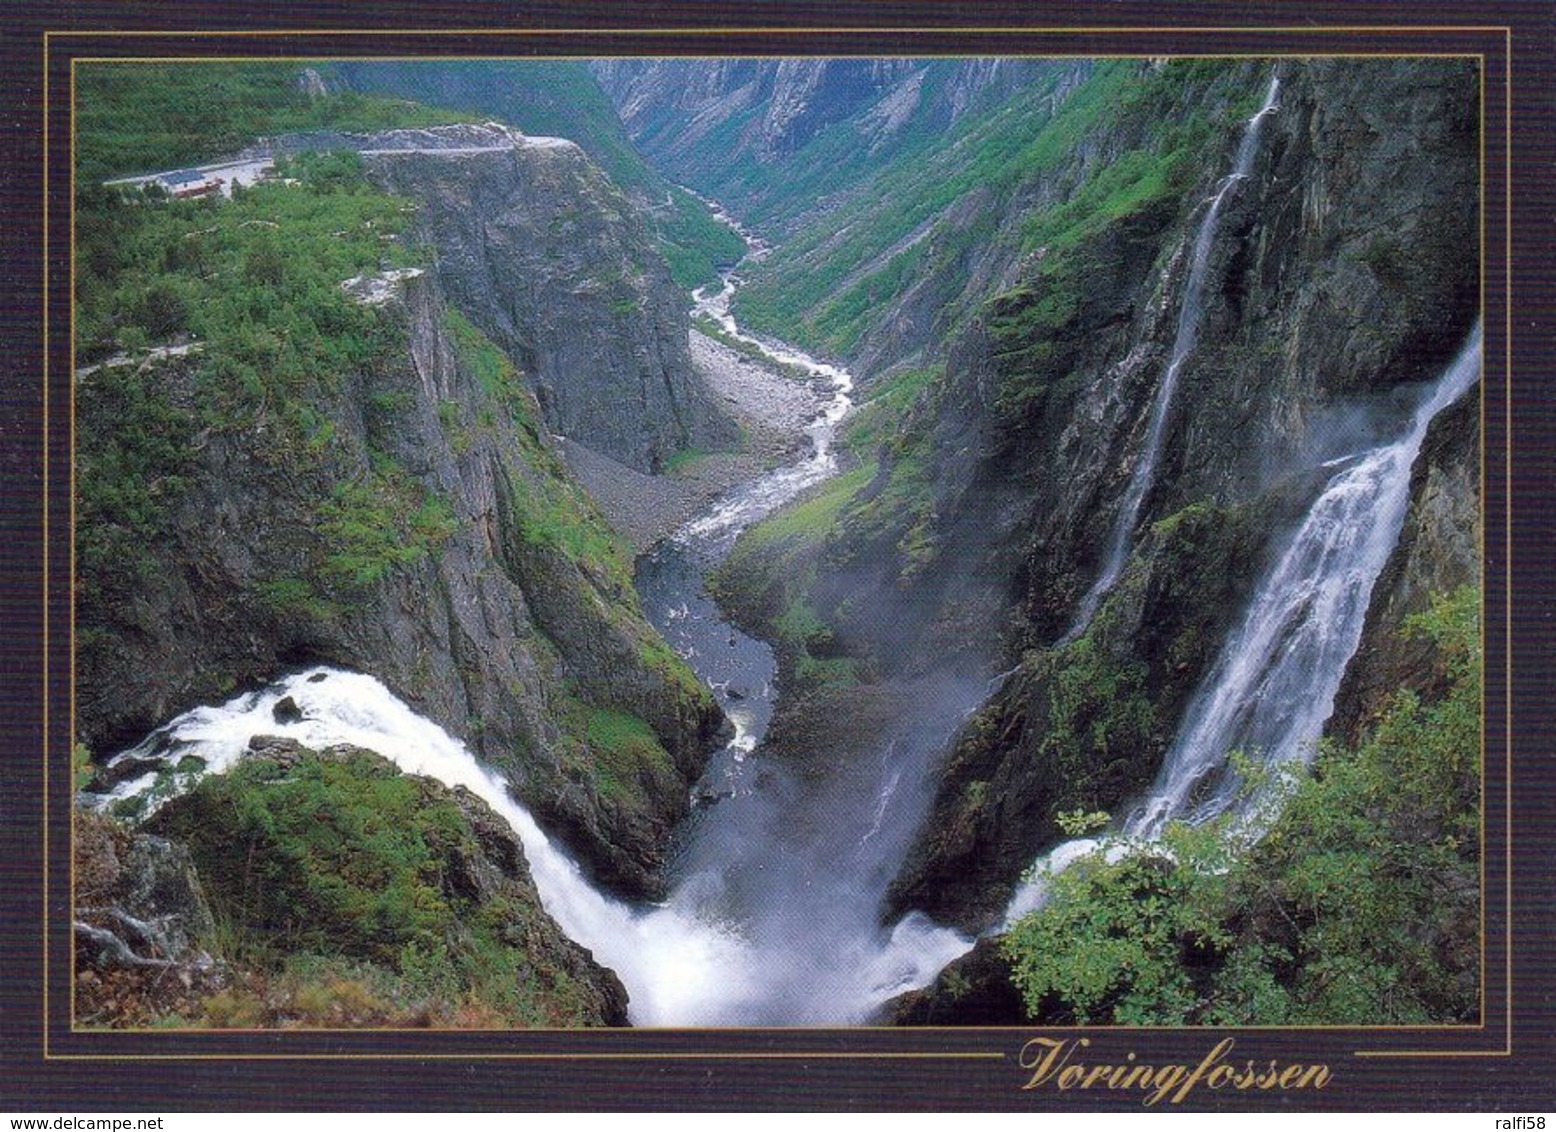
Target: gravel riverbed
<point>772,409</point>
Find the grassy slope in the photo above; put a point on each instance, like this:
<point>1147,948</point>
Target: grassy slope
<point>951,192</point>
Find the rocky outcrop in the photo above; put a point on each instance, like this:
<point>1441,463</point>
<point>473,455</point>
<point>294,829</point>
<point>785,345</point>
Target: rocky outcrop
<point>975,990</point>
<point>542,252</point>
<point>337,854</point>
<point>439,543</point>
<point>139,902</point>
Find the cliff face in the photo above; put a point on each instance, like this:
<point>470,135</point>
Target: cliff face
<point>1343,272</point>
<point>541,251</point>
<point>1344,269</point>
<point>428,534</point>
<point>789,100</point>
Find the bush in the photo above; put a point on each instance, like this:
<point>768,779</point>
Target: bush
<point>1360,905</point>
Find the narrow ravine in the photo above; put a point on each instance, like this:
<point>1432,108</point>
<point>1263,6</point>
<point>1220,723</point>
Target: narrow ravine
<point>795,871</point>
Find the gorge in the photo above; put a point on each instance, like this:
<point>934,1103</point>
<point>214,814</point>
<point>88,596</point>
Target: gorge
<point>1116,339</point>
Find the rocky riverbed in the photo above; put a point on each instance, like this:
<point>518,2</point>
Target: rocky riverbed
<point>772,409</point>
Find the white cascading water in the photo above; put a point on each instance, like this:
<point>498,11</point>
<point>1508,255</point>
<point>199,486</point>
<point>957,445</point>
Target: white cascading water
<point>1189,312</point>
<point>1273,686</point>
<point>667,965</point>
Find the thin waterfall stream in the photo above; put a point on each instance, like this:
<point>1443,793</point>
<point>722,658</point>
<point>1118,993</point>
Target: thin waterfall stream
<point>1190,309</point>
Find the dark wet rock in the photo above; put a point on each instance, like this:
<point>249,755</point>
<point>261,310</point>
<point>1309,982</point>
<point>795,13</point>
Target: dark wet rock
<point>974,990</point>
<point>287,711</point>
<point>139,902</point>
<point>121,771</point>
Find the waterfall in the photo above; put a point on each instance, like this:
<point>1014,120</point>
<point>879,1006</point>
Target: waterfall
<point>1272,688</point>
<point>1189,311</point>
<point>668,964</point>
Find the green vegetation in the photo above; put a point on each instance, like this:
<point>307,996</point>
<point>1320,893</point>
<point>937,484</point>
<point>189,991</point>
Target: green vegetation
<point>555,513</point>
<point>772,570</point>
<point>683,461</point>
<point>146,117</point>
<point>347,886</point>
<point>254,283</point>
<point>1098,715</point>
<point>952,194</point>
<point>1359,906</point>
<point>384,519</point>
<point>888,406</point>
<point>625,754</point>
<point>133,453</point>
<point>992,153</point>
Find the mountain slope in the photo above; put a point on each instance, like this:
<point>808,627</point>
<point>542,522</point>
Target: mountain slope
<point>558,97</point>
<point>1340,274</point>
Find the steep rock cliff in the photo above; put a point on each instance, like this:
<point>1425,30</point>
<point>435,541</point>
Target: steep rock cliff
<point>1345,268</point>
<point>546,256</point>
<point>428,533</point>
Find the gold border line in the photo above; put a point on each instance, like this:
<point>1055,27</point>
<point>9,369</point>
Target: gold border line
<point>48,682</point>
<point>544,58</point>
<point>477,1055</point>
<point>677,1055</point>
<point>1507,504</point>
<point>727,32</point>
<point>1507,722</point>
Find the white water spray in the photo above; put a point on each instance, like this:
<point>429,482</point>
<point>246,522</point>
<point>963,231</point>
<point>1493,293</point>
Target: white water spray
<point>1189,312</point>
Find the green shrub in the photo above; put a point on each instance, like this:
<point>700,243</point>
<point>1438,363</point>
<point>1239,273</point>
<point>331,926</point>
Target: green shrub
<point>1360,905</point>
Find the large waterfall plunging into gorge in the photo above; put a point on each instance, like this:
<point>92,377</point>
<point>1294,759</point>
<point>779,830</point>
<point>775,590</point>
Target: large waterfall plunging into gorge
<point>1273,686</point>
<point>775,886</point>
<point>1190,308</point>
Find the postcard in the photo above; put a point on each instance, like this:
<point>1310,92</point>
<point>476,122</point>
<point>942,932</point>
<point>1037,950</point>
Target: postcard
<point>734,562</point>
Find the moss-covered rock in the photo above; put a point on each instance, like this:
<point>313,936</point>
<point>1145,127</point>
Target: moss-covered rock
<point>337,861</point>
